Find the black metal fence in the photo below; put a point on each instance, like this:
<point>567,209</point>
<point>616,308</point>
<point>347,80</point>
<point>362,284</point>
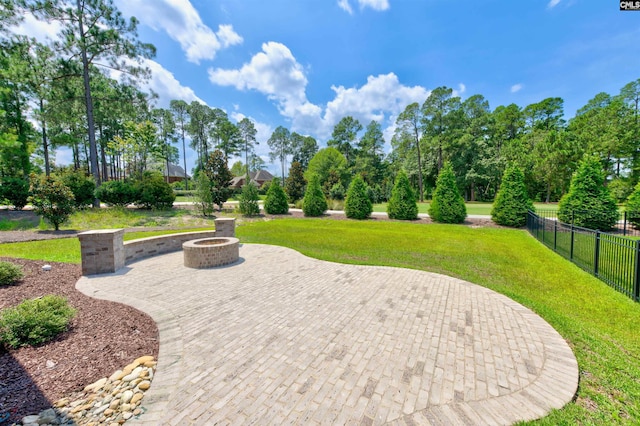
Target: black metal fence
<point>612,258</point>
<point>628,221</point>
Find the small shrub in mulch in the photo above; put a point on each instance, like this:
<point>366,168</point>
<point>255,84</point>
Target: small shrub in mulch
<point>10,273</point>
<point>35,321</point>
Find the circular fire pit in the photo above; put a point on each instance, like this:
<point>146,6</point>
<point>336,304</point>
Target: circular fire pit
<point>210,252</point>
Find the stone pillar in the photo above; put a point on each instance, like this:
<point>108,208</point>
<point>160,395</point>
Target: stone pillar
<point>102,251</point>
<point>225,227</point>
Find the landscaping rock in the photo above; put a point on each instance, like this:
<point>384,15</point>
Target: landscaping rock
<point>108,401</point>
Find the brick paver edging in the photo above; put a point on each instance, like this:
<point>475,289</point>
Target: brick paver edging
<point>280,338</point>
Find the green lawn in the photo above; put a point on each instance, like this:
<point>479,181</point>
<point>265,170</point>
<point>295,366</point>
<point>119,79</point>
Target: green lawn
<point>475,208</point>
<point>599,323</point>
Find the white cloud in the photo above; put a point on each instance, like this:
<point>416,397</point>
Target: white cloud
<point>276,73</point>
<point>344,5</point>
<point>461,89</point>
<point>553,3</point>
<point>182,22</point>
<point>379,5</point>
<point>516,88</point>
<point>40,30</point>
<point>165,84</point>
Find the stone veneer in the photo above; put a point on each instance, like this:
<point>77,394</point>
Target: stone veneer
<point>210,252</point>
<point>104,251</point>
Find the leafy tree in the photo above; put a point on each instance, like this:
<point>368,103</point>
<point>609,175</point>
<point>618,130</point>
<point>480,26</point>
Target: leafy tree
<point>204,194</point>
<point>303,149</point>
<point>229,137</point>
<point>328,163</point>
<point>280,144</point>
<point>219,177</point>
<point>239,169</point>
<point>440,121</point>
<point>358,204</point>
<point>51,199</point>
<point>276,201</point>
<point>201,119</point>
<point>344,137</point>
<point>15,191</point>
<point>512,202</point>
<point>82,186</point>
<point>163,120</point>
<point>249,198</point>
<point>402,204</point>
<point>447,205</point>
<point>370,153</point>
<point>96,32</point>
<point>180,110</point>
<point>295,183</point>
<point>314,202</point>
<point>409,129</point>
<point>589,203</point>
<point>248,135</point>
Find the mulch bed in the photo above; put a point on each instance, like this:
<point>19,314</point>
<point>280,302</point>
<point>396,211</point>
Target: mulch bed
<point>103,337</point>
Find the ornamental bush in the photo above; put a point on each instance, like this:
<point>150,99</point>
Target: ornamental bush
<point>118,193</point>
<point>512,202</point>
<point>35,321</point>
<point>51,199</point>
<point>402,204</point>
<point>589,203</point>
<point>248,203</point>
<point>295,183</point>
<point>314,203</point>
<point>15,191</point>
<point>447,205</point>
<point>358,204</point>
<point>154,192</point>
<point>276,201</point>
<point>10,273</point>
<point>82,186</point>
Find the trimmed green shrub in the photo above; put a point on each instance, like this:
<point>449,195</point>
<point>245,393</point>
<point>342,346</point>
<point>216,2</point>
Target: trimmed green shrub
<point>51,199</point>
<point>358,204</point>
<point>512,202</point>
<point>35,321</point>
<point>402,204</point>
<point>118,193</point>
<point>295,183</point>
<point>10,273</point>
<point>219,178</point>
<point>314,202</point>
<point>447,205</point>
<point>82,186</point>
<point>276,201</point>
<point>633,206</point>
<point>204,194</point>
<point>589,203</point>
<point>15,191</point>
<point>248,203</point>
<point>154,192</point>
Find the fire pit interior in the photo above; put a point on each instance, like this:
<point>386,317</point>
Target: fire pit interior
<point>210,252</point>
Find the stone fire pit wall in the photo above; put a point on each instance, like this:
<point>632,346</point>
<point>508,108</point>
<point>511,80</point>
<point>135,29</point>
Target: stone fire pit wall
<point>104,251</point>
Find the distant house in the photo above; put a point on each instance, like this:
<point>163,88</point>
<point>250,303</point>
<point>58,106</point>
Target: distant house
<point>175,173</point>
<point>257,178</point>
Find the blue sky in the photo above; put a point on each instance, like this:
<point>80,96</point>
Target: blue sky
<point>305,64</point>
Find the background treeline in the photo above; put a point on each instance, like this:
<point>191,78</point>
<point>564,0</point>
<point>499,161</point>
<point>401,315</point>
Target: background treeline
<point>62,95</point>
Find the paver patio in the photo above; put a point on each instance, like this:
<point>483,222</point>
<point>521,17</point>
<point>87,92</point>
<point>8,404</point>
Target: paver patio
<point>280,338</point>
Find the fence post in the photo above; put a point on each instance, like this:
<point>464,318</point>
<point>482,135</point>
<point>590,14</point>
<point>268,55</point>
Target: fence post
<point>555,234</point>
<point>596,254</point>
<point>572,238</point>
<point>636,275</point>
<point>544,226</point>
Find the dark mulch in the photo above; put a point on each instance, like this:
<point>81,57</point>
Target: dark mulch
<point>103,337</point>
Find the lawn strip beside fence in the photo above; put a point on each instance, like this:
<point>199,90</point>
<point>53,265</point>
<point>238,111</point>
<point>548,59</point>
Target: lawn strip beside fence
<point>612,258</point>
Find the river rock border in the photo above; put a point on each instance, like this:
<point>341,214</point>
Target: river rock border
<point>111,400</point>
